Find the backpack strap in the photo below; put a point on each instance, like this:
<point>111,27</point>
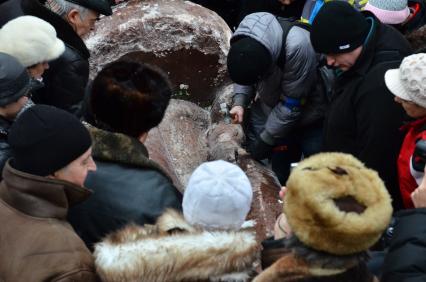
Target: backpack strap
<point>286,25</point>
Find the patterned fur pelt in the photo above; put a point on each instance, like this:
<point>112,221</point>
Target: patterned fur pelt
<point>305,264</point>
<point>172,250</point>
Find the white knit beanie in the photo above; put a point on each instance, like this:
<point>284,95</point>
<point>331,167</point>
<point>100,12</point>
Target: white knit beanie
<point>31,40</point>
<point>218,196</point>
<point>389,11</point>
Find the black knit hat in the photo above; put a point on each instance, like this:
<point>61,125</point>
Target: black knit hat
<point>14,80</point>
<point>45,139</point>
<point>248,61</point>
<point>338,28</point>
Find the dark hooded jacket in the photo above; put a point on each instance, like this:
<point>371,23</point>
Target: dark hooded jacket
<point>363,119</point>
<point>128,187</point>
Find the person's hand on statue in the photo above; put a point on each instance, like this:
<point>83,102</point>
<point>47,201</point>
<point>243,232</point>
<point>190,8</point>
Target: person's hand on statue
<point>237,114</point>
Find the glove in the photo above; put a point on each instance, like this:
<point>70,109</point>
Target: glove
<point>261,150</point>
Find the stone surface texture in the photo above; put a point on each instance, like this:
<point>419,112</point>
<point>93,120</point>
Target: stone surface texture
<point>186,40</point>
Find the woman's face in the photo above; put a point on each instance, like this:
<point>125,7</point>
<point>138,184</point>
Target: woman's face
<point>37,70</point>
<point>413,110</point>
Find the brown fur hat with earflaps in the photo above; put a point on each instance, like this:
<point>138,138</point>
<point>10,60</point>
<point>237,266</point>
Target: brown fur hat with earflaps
<point>336,205</point>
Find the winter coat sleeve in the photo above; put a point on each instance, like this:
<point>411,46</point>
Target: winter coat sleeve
<point>243,95</point>
<point>66,81</point>
<point>298,80</point>
<point>406,259</point>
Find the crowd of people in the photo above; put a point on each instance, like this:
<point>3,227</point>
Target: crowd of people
<point>334,86</point>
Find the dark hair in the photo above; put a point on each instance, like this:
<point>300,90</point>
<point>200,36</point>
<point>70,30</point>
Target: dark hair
<point>130,97</point>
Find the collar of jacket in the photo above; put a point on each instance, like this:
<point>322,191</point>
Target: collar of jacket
<point>120,148</point>
<point>39,196</point>
<point>418,123</point>
<point>63,29</point>
<point>173,250</point>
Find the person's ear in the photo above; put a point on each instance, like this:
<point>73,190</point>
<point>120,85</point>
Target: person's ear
<point>73,18</point>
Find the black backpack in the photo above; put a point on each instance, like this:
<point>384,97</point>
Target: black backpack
<point>286,25</point>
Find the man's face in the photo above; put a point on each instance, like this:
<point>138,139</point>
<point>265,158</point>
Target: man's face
<point>82,25</point>
<point>344,61</point>
<point>76,172</point>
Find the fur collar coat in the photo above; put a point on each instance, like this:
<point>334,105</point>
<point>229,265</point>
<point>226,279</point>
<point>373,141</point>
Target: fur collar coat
<point>173,250</point>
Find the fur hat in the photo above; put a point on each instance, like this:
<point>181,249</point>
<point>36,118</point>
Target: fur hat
<point>336,205</point>
<point>129,97</point>
<point>31,40</point>
<point>218,196</point>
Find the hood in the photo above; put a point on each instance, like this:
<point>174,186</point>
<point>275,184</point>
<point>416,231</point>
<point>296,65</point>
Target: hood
<point>264,27</point>
<point>173,251</point>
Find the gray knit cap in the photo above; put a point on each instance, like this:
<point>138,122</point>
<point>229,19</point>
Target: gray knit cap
<point>389,11</point>
<point>389,5</point>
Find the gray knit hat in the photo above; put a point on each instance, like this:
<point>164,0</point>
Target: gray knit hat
<point>14,80</point>
<point>389,11</point>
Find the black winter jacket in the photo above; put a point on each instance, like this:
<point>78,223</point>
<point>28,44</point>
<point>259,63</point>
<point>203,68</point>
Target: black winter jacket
<point>9,10</point>
<point>128,187</point>
<point>406,259</point>
<point>363,119</point>
<point>66,79</point>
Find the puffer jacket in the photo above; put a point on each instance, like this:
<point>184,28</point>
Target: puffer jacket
<point>128,187</point>
<point>38,244</point>
<point>173,251</point>
<point>66,79</point>
<point>297,80</point>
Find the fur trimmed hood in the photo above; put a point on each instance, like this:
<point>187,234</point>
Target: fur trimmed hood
<point>173,250</point>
